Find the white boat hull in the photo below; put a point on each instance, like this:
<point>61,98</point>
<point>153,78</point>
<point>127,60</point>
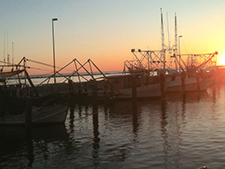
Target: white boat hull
<point>190,85</point>
<point>148,91</point>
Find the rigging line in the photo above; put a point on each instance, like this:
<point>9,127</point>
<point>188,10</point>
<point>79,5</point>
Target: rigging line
<point>168,31</point>
<point>39,62</point>
<point>34,68</point>
<point>46,64</point>
<point>183,44</point>
<point>39,69</point>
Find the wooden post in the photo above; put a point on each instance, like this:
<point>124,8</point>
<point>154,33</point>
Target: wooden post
<point>28,112</point>
<point>79,89</point>
<point>198,84</point>
<point>71,100</point>
<point>95,115</point>
<point>95,118</point>
<point>94,92</point>
<point>183,82</point>
<point>134,91</point>
<point>134,102</point>
<point>162,85</point>
<point>85,87</point>
<point>104,90</point>
<point>135,118</point>
<point>134,88</point>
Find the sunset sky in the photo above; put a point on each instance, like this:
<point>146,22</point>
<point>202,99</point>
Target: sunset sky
<point>105,31</point>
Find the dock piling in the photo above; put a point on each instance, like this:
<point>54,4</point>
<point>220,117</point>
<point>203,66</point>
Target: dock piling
<point>162,85</point>
<point>198,85</point>
<point>183,82</point>
<point>28,112</point>
<point>134,91</point>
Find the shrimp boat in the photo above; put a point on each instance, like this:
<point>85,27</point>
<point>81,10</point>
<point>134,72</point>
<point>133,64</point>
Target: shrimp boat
<point>123,83</point>
<point>146,68</point>
<point>195,78</point>
<point>19,95</point>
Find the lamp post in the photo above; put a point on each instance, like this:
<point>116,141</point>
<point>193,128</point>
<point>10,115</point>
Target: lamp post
<point>53,43</point>
<point>179,51</point>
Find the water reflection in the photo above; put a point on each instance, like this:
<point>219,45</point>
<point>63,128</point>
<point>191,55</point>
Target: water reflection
<point>16,140</point>
<point>135,119</point>
<point>150,134</point>
<point>96,138</point>
<point>29,143</point>
<point>183,108</point>
<point>164,131</point>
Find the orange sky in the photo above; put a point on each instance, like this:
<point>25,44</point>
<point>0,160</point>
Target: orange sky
<point>106,31</point>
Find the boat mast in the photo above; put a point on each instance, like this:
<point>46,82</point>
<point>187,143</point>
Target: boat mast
<point>4,49</point>
<point>168,31</point>
<point>175,50</point>
<point>162,33</point>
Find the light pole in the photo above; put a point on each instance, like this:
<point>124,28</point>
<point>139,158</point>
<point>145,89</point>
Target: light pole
<point>179,51</point>
<point>53,43</point>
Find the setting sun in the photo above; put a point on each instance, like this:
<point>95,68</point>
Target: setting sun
<point>221,59</point>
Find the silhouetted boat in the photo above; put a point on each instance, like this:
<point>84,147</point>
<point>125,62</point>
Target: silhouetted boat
<point>18,95</point>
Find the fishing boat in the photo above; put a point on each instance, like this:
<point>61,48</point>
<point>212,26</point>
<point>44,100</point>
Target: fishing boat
<point>18,97</point>
<point>195,78</point>
<point>146,87</point>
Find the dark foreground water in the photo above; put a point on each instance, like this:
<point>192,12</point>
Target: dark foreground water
<point>184,132</point>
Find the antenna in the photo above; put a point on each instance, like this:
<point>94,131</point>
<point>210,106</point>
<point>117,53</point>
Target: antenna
<point>4,49</point>
<point>12,53</point>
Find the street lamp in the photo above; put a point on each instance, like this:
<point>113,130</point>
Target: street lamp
<point>179,50</point>
<point>53,42</point>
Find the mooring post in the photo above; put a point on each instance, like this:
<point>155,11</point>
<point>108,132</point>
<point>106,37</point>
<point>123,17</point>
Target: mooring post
<point>198,84</point>
<point>183,82</point>
<point>134,91</point>
<point>28,112</point>
<point>162,85</point>
<point>96,138</point>
<point>105,90</point>
<point>94,95</point>
<point>95,114</point>
<point>71,100</point>
<point>95,119</point>
<point>134,102</point>
<point>135,118</point>
<point>79,89</point>
<point>85,88</point>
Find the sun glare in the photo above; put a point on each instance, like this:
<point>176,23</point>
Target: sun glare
<point>221,59</point>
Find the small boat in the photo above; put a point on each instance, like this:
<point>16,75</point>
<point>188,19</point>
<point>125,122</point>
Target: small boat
<point>18,96</point>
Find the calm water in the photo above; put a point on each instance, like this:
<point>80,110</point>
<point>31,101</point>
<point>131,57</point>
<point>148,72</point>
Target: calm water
<point>185,132</point>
